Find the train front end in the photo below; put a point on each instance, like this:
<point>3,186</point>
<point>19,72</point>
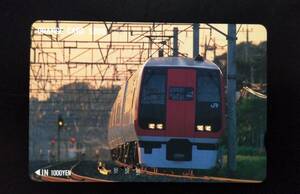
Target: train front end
<point>180,116</point>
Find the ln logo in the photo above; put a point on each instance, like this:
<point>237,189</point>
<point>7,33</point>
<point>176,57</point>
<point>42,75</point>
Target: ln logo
<point>46,172</point>
<point>42,172</point>
<point>214,105</point>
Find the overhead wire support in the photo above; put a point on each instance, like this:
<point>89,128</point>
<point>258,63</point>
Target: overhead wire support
<point>64,53</point>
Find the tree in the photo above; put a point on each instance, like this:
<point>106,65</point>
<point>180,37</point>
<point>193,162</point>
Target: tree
<point>251,112</point>
<point>256,57</point>
<point>251,125</point>
<point>85,111</point>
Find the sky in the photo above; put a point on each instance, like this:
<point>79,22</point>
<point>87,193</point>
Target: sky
<point>257,33</point>
<point>80,31</point>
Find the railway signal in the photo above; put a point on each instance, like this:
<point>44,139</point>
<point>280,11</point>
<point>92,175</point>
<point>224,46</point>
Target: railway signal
<point>53,141</point>
<point>73,140</point>
<point>60,124</point>
<point>60,121</point>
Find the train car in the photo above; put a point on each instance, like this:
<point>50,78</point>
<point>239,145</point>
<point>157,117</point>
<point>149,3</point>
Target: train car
<point>169,114</point>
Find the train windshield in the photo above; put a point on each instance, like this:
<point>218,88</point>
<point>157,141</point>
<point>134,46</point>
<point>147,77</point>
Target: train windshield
<point>208,86</point>
<point>181,93</point>
<point>153,87</point>
<point>153,97</point>
<point>208,106</point>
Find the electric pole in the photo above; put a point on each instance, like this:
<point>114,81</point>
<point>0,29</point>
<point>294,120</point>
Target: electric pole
<point>195,39</point>
<point>214,48</point>
<point>175,42</point>
<point>231,89</point>
<point>205,47</point>
<point>161,52</point>
<point>247,55</point>
<point>60,124</point>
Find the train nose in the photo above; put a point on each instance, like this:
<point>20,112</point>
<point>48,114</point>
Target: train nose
<point>178,156</point>
<point>179,150</point>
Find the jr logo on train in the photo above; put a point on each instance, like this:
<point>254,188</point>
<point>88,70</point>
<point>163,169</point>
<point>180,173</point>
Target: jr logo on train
<point>169,114</point>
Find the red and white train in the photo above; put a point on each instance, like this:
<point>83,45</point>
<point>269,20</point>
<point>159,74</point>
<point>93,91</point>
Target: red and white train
<point>169,114</point>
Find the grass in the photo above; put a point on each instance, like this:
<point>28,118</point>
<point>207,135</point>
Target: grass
<point>248,167</point>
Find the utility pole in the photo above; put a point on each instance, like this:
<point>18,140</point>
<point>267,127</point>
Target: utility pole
<point>205,48</point>
<point>231,89</point>
<point>66,148</point>
<point>161,52</point>
<point>60,124</point>
<point>195,39</point>
<point>175,41</point>
<point>214,48</point>
<point>247,55</point>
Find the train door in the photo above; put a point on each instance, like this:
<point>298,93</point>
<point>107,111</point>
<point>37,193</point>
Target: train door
<point>181,101</point>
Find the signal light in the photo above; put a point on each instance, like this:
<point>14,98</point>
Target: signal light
<point>53,141</point>
<point>60,121</point>
<point>72,140</point>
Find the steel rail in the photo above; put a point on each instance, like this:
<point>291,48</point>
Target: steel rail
<point>204,178</point>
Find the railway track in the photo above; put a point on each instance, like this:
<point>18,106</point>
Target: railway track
<point>86,171</point>
<point>191,177</point>
<point>81,178</point>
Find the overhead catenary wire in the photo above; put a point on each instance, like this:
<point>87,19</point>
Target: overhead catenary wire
<point>239,29</point>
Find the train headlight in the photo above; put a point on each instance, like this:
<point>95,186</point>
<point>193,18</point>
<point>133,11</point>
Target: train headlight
<point>151,126</point>
<point>207,128</point>
<point>159,126</point>
<point>200,128</point>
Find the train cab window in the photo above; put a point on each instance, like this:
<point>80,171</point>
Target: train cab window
<point>181,93</point>
<point>208,86</point>
<point>153,91</point>
<point>153,97</point>
<point>208,106</point>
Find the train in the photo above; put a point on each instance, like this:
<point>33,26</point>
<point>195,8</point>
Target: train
<point>169,114</point>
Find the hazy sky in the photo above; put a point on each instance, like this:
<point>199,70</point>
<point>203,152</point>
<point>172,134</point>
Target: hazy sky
<point>257,33</point>
<point>81,31</point>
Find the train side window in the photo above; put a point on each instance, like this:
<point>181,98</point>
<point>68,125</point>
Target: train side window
<point>114,116</point>
<point>109,121</point>
<point>129,99</point>
<point>133,92</point>
<point>117,114</point>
